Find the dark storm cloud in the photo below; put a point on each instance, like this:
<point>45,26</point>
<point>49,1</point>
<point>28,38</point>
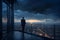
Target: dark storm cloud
<point>50,8</point>
<point>39,5</point>
<point>18,14</point>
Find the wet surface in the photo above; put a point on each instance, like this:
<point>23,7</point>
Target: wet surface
<point>18,36</point>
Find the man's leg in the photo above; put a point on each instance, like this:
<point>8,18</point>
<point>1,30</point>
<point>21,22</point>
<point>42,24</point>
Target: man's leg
<point>23,32</point>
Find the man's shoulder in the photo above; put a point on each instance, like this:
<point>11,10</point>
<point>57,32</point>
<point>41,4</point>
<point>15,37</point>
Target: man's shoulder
<point>22,19</point>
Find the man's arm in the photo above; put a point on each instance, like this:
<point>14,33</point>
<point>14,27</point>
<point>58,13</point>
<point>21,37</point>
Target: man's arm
<point>25,22</point>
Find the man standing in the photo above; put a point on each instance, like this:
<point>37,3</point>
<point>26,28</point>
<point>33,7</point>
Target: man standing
<point>23,22</point>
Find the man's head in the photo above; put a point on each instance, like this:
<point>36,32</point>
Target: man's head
<point>22,17</point>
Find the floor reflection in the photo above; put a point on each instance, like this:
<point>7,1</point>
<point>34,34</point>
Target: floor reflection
<point>18,36</point>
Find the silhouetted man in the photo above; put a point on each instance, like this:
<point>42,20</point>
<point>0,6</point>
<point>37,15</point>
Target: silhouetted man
<point>23,26</point>
<point>23,22</point>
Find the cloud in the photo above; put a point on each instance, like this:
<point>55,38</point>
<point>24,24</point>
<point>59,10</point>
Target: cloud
<point>39,5</point>
<point>18,14</point>
<point>49,8</point>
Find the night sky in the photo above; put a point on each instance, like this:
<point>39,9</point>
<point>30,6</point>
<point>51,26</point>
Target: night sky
<point>36,9</point>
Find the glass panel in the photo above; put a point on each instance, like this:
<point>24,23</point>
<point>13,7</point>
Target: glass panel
<point>4,15</point>
<point>4,20</point>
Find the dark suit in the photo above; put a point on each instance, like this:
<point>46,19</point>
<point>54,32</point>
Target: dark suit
<point>23,24</point>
